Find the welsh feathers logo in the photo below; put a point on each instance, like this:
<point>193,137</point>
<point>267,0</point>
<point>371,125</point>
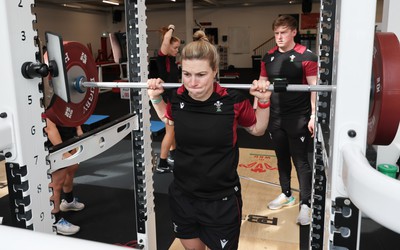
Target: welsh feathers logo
<point>218,104</point>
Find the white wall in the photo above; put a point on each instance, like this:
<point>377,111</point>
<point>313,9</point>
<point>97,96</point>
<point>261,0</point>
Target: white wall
<point>257,20</point>
<point>87,28</point>
<point>72,26</point>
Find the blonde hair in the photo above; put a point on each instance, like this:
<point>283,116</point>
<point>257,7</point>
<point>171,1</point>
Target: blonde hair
<point>201,49</point>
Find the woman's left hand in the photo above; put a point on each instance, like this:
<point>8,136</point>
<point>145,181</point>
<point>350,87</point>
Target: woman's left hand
<point>311,126</point>
<point>259,89</point>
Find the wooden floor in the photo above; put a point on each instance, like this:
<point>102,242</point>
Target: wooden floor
<point>3,180</point>
<point>263,228</point>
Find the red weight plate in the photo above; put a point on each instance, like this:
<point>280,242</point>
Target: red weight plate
<point>79,63</point>
<point>384,115</point>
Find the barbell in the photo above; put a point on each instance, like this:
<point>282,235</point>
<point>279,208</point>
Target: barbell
<point>83,87</point>
<point>143,85</point>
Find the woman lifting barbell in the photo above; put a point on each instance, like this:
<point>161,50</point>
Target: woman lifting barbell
<point>205,195</point>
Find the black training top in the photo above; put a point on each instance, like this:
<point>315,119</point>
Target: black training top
<point>207,155</point>
<point>167,69</point>
<point>294,66</point>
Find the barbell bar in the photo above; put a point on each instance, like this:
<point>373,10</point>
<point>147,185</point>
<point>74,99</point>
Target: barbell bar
<point>143,85</point>
<point>82,87</point>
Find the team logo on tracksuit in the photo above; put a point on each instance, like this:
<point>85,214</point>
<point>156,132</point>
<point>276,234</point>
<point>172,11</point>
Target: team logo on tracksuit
<point>223,243</point>
<point>218,104</point>
<point>292,57</point>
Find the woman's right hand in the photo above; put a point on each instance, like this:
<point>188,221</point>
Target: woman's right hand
<point>155,88</point>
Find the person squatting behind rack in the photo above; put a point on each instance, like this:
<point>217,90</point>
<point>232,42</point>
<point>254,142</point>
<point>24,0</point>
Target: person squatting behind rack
<point>168,71</point>
<point>62,179</point>
<point>292,119</point>
<point>205,194</point>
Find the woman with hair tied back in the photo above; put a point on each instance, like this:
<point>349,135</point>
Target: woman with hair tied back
<point>168,71</point>
<point>205,195</point>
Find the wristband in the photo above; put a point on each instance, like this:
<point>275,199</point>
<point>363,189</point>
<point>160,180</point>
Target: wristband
<point>156,101</point>
<point>312,116</point>
<point>263,105</point>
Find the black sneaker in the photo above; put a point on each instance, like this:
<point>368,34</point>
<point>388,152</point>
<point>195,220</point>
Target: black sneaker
<point>171,157</point>
<point>163,166</point>
<point>170,160</point>
<point>164,170</point>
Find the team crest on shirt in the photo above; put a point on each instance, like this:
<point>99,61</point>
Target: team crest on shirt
<point>182,105</point>
<point>272,58</point>
<point>218,104</point>
<point>223,243</point>
<point>292,57</point>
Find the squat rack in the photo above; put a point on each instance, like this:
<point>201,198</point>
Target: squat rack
<point>345,169</point>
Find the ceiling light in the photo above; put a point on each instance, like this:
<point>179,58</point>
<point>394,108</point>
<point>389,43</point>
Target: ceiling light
<point>110,2</point>
<point>72,6</point>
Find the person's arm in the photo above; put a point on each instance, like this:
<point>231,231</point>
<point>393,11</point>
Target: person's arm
<point>52,132</point>
<point>167,40</point>
<point>79,130</point>
<point>263,77</point>
<point>312,80</point>
<point>259,90</point>
<point>54,135</point>
<point>155,90</point>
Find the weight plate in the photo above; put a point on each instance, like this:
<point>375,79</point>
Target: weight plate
<point>79,63</point>
<point>384,115</point>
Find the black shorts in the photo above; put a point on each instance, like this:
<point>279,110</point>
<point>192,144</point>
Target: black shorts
<point>216,222</point>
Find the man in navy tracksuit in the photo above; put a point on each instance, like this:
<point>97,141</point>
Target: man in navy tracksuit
<point>292,113</point>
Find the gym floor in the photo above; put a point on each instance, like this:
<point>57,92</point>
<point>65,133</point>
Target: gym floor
<point>105,185</point>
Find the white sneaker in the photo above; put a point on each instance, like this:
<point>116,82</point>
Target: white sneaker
<point>304,217</point>
<point>74,205</point>
<point>281,201</point>
<point>65,228</point>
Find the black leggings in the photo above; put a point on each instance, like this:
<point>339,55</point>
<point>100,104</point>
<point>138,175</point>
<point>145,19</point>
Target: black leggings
<point>291,140</point>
